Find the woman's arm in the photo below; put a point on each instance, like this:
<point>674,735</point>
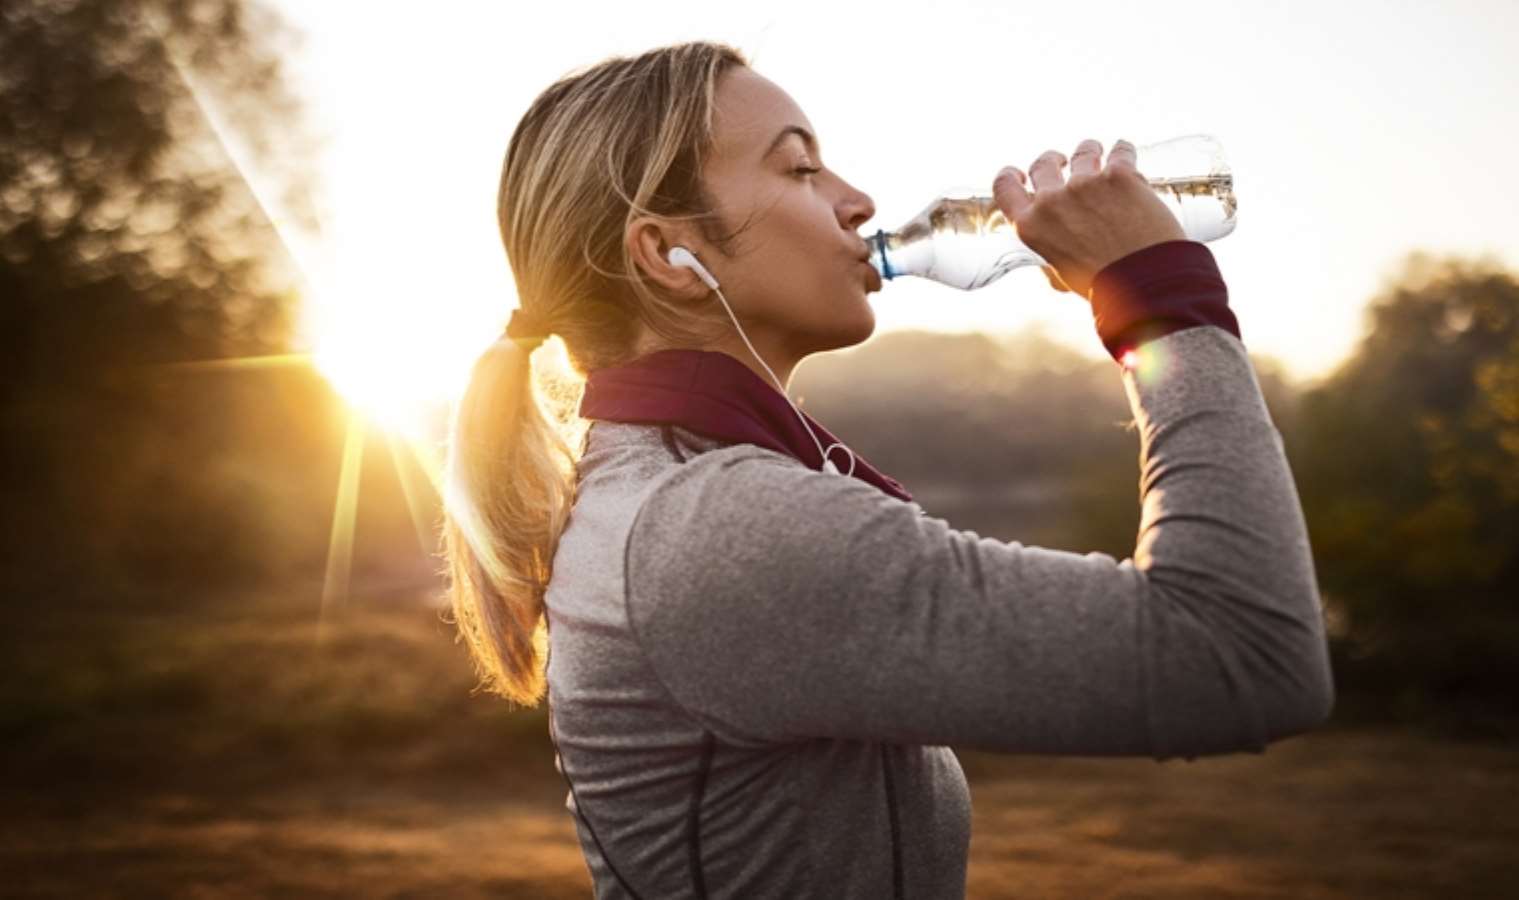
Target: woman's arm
<point>778,603</point>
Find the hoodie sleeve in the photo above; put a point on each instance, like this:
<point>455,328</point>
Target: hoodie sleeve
<point>778,603</point>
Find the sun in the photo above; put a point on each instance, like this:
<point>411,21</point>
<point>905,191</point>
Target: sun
<point>393,320</point>
<point>398,297</point>
<point>392,361</point>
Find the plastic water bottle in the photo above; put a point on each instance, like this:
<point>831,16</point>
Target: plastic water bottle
<point>963,240</point>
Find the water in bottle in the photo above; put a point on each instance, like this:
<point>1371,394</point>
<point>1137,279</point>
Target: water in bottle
<point>963,240</point>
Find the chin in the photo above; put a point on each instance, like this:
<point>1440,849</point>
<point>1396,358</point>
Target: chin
<point>867,327</point>
<point>866,319</point>
<point>857,329</point>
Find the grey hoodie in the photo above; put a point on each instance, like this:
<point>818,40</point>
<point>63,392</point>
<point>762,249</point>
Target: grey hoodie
<point>756,668</point>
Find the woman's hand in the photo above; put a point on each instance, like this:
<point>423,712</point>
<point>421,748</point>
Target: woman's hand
<point>1098,217</point>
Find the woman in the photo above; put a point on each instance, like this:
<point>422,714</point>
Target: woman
<point>756,655</point>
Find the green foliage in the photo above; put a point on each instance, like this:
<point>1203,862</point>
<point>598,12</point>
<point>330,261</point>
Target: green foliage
<point>127,231</point>
<point>1021,439</point>
<point>271,680</point>
<point>129,239</point>
<point>1407,461</point>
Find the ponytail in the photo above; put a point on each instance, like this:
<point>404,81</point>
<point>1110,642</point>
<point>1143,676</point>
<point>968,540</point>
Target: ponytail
<point>508,488</point>
<point>598,148</point>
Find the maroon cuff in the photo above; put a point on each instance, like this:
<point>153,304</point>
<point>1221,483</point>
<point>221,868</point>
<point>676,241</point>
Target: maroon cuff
<point>1152,292</point>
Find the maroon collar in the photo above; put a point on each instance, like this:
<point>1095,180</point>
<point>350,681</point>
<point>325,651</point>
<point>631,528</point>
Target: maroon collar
<point>715,395</point>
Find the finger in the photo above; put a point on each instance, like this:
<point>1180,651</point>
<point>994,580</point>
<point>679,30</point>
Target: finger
<point>1045,172</point>
<point>1123,154</point>
<point>1087,160</point>
<point>1008,191</point>
<point>1055,280</point>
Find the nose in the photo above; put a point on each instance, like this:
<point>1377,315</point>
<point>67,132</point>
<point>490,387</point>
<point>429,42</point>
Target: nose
<point>856,208</point>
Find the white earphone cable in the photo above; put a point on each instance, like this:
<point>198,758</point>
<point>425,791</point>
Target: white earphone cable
<point>828,465</point>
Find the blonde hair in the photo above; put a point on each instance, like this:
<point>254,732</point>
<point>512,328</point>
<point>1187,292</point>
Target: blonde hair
<point>621,139</point>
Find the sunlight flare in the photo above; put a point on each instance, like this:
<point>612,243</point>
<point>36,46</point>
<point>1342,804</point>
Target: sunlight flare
<point>415,502</point>
<point>268,361</point>
<point>380,355</point>
<point>344,513</point>
<point>390,330</point>
<point>262,192</point>
<point>429,461</point>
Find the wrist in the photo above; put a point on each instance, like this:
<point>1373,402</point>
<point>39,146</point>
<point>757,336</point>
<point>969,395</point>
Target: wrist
<point>1160,289</point>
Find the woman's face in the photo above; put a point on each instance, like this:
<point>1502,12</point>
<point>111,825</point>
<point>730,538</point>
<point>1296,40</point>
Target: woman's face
<point>797,276</point>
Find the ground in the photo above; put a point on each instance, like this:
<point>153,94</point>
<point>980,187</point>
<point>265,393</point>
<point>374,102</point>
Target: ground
<point>223,754</point>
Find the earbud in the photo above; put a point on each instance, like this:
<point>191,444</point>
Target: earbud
<point>685,259</point>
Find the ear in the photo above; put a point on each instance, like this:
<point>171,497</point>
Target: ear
<point>649,240</point>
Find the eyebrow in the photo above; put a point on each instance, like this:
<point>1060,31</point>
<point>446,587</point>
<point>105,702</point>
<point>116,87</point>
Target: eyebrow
<point>804,134</point>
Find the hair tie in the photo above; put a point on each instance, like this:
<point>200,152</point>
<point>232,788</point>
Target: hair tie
<point>526,329</point>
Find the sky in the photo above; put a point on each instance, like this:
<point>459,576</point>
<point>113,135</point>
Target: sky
<point>1357,132</point>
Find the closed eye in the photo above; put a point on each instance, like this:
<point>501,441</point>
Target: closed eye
<point>803,170</point>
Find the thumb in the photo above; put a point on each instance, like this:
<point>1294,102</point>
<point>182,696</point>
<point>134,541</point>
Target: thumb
<point>1056,281</point>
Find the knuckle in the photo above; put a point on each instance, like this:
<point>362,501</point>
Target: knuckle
<point>1036,214</point>
<point>1117,174</point>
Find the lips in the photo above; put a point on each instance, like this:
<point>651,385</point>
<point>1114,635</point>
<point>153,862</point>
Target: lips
<point>872,277</point>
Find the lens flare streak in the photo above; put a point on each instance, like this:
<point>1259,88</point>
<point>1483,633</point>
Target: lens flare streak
<point>359,362</point>
<point>230,146</point>
<point>270,361</point>
<point>344,513</point>
<point>412,492</point>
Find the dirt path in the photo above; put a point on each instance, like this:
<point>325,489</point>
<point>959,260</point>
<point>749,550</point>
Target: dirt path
<point>1340,813</point>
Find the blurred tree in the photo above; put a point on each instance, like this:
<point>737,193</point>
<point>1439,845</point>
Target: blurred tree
<point>117,193</point>
<point>1408,464</point>
<point>1021,438</point>
<point>934,408</point>
<point>128,237</point>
